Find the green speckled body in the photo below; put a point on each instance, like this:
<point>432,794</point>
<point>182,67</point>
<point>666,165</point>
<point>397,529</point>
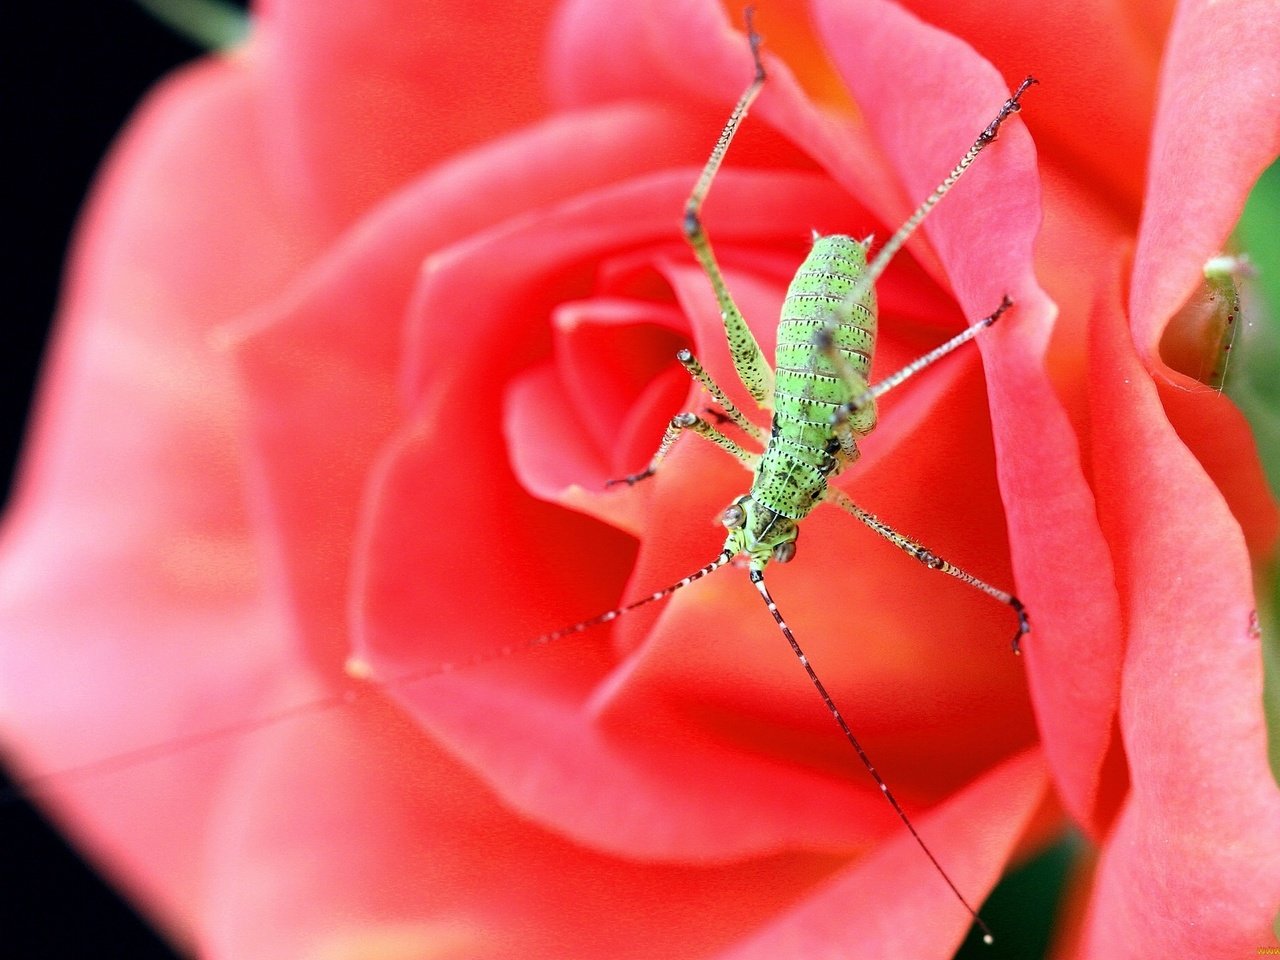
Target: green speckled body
<point>804,448</point>
<point>822,405</point>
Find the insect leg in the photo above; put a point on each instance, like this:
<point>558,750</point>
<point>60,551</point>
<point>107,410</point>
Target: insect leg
<point>864,395</point>
<point>753,369</point>
<point>731,412</point>
<point>678,425</point>
<point>931,560</point>
<point>1222,275</point>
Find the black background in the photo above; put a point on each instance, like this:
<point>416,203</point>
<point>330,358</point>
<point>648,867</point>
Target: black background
<point>75,73</point>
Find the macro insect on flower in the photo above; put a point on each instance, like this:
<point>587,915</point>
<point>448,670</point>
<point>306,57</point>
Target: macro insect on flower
<point>400,463</point>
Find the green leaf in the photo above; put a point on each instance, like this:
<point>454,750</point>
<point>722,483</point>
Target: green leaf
<point>1253,379</point>
<point>211,24</point>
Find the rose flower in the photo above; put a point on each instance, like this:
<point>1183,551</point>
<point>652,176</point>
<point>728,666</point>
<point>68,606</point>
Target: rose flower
<point>362,317</point>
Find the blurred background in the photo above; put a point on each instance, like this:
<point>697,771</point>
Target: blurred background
<point>75,74</point>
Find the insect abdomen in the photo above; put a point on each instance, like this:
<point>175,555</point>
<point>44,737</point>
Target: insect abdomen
<point>825,278</point>
<point>807,388</point>
<point>792,474</point>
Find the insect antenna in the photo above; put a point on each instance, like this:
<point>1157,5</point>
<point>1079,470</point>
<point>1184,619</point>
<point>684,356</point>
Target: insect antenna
<point>757,577</point>
<point>499,653</point>
<point>362,684</point>
<point>34,785</point>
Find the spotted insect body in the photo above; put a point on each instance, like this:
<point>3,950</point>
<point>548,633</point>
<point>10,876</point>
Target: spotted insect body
<point>807,445</point>
<point>822,404</point>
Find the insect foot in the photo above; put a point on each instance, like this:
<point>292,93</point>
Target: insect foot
<point>1024,623</point>
<point>1005,304</point>
<point>1012,105</point>
<point>630,479</point>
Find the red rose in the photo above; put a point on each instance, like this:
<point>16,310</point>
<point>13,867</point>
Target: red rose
<point>333,382</point>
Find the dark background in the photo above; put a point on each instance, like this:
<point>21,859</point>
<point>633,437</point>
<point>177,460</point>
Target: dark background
<point>75,72</point>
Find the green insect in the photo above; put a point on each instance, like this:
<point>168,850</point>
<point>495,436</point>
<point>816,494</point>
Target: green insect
<point>822,405</point>
<point>1222,276</point>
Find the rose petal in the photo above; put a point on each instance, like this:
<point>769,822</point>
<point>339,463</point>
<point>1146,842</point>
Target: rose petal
<point>1194,198</point>
<point>430,865</point>
<point>893,904</point>
<point>1192,867</point>
<point>1215,430</point>
<point>1217,128</point>
<point>322,364</point>
<point>358,100</point>
<point>131,604</point>
<point>927,106</point>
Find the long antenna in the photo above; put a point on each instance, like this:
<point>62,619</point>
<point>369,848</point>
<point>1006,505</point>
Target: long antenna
<point>362,684</point>
<point>757,577</point>
<point>502,652</point>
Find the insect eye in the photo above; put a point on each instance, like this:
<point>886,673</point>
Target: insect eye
<point>733,516</point>
<point>785,552</point>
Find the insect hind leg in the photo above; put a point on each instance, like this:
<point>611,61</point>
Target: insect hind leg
<point>748,359</point>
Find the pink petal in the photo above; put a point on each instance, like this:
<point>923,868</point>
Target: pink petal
<point>927,96</point>
<point>893,904</point>
<point>132,608</point>
<point>1192,867</point>
<point>1194,198</point>
<point>322,364</point>
<point>400,852</point>
<point>360,99</point>
<point>1217,128</point>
